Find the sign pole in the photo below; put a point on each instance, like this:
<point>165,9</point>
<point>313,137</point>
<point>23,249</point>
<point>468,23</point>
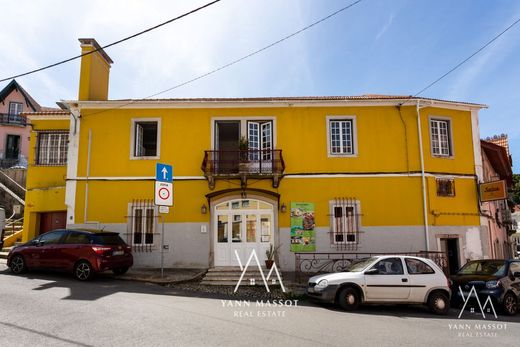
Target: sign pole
<point>162,248</point>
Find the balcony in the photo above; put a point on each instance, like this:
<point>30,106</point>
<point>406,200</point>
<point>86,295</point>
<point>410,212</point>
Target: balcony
<point>12,119</point>
<point>243,164</point>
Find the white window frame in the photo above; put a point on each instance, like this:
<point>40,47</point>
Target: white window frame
<point>243,126</point>
<point>355,150</point>
<point>357,221</point>
<point>132,208</point>
<point>449,121</point>
<point>133,139</point>
<point>45,160</point>
<point>19,107</point>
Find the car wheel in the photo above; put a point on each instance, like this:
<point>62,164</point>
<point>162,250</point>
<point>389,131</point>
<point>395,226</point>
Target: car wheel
<point>349,299</point>
<point>439,303</point>
<point>120,271</point>
<point>17,265</point>
<point>83,271</point>
<point>510,304</point>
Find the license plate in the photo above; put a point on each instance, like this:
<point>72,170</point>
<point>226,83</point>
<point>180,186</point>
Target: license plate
<point>118,253</point>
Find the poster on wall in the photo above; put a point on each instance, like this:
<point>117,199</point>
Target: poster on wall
<point>303,236</point>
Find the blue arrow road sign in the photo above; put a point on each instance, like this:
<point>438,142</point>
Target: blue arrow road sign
<point>163,172</point>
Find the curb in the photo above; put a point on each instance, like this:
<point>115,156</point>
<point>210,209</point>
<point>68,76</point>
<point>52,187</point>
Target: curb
<point>164,281</point>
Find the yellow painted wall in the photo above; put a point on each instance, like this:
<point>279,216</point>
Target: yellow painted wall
<point>45,184</point>
<point>301,134</point>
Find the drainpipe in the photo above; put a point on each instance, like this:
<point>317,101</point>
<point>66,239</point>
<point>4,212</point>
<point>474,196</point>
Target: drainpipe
<point>423,178</point>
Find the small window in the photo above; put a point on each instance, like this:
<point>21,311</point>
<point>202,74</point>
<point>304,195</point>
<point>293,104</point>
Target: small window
<point>389,266</point>
<point>52,148</point>
<point>15,108</point>
<point>440,133</point>
<point>418,267</point>
<point>445,186</point>
<point>143,225</point>
<point>344,221</point>
<point>341,136</point>
<point>146,139</point>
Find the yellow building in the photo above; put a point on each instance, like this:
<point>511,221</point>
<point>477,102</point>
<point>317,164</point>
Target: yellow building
<point>365,174</point>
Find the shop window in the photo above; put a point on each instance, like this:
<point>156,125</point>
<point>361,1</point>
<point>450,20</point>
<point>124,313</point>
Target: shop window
<point>146,138</point>
<point>445,186</point>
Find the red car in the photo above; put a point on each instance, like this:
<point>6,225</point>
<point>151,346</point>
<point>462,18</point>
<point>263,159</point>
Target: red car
<point>83,252</point>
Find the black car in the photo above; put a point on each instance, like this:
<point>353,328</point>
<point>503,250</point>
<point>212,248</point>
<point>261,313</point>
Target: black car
<point>494,278</point>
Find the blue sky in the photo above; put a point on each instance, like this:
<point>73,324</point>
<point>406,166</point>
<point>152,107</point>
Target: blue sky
<point>376,47</point>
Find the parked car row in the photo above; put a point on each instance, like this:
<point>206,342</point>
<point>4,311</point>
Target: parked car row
<point>415,280</point>
<point>82,252</point>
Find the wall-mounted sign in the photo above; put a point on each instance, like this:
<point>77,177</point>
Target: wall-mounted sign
<point>303,235</point>
<point>491,191</point>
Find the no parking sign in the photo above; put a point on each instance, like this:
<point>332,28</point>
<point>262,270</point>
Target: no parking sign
<point>163,185</point>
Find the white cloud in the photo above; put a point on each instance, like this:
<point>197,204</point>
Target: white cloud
<point>385,26</point>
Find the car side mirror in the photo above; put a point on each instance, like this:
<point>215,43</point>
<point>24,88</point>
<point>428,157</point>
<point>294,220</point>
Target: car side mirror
<point>40,243</point>
<point>372,271</point>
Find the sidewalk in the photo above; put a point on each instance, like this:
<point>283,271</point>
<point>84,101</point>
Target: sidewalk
<point>171,276</point>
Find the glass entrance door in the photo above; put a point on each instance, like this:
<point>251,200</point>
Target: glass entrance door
<point>242,226</point>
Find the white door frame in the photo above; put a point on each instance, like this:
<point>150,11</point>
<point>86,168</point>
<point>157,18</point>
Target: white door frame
<point>224,252</point>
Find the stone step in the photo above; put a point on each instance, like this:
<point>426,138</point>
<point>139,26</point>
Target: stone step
<point>3,255</point>
<point>6,249</point>
<point>230,275</point>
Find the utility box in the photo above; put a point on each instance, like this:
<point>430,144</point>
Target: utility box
<point>2,219</point>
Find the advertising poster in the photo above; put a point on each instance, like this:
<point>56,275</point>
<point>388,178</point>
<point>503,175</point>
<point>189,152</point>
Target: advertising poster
<point>303,236</point>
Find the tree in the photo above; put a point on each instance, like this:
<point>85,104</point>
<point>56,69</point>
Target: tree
<point>516,189</point>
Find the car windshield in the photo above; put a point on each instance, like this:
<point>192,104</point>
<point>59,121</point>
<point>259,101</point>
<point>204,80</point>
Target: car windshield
<point>360,265</point>
<point>107,239</point>
<point>484,267</point>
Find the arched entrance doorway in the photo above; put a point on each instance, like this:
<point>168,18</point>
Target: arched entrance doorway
<point>239,227</point>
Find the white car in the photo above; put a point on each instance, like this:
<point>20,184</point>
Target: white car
<point>385,279</point>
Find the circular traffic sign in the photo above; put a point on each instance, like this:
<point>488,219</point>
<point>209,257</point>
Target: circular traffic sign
<point>164,193</point>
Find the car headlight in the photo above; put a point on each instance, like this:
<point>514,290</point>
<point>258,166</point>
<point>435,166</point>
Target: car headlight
<point>322,285</point>
<point>492,284</point>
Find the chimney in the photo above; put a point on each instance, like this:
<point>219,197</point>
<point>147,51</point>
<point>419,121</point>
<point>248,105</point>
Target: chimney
<point>94,71</point>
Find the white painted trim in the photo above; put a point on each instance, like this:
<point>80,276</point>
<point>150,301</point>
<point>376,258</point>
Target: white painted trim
<point>451,140</point>
<point>132,178</point>
<point>339,175</point>
<point>132,138</point>
<point>179,103</point>
<point>375,175</point>
<point>354,136</point>
<point>72,166</point>
<point>243,126</point>
<point>477,150</point>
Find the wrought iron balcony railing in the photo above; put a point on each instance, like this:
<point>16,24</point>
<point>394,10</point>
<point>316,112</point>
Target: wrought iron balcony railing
<point>14,119</point>
<point>243,164</point>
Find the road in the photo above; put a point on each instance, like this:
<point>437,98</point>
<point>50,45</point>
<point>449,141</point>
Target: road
<point>47,309</point>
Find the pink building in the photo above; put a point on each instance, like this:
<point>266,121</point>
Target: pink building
<point>497,164</point>
<point>14,132</point>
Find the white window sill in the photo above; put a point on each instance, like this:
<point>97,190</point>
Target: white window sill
<point>145,158</point>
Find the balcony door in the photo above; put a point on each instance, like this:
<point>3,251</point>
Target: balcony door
<point>241,226</point>
<point>226,143</point>
<point>260,139</point>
